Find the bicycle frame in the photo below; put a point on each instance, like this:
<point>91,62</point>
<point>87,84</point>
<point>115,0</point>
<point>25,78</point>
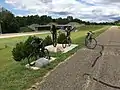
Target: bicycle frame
<point>90,41</point>
<point>89,35</point>
<point>37,50</point>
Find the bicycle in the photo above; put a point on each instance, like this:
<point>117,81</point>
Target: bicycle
<point>67,41</point>
<point>90,42</point>
<point>39,51</point>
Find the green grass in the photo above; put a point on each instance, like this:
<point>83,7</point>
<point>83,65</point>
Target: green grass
<point>14,76</point>
<point>5,53</point>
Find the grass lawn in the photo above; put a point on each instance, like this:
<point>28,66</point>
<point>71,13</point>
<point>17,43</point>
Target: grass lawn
<point>14,76</point>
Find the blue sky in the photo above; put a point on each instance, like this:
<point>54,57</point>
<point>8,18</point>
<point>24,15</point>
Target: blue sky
<point>88,10</point>
<point>12,8</point>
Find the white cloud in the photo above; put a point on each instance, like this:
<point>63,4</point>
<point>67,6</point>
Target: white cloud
<point>92,10</point>
<point>102,1</point>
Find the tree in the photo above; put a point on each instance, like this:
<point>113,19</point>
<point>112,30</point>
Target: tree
<point>9,23</point>
<point>69,18</point>
<point>62,21</point>
<point>45,19</point>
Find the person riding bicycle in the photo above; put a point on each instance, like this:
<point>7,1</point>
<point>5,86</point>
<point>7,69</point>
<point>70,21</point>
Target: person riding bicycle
<point>89,34</point>
<point>90,41</point>
<point>39,49</point>
<point>68,31</point>
<point>54,33</point>
<point>67,41</point>
<point>38,44</point>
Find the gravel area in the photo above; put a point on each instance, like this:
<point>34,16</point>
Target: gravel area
<point>69,75</point>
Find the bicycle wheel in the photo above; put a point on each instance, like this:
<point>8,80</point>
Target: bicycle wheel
<point>64,44</point>
<point>46,54</point>
<point>90,43</point>
<point>69,42</point>
<point>54,43</point>
<point>30,60</point>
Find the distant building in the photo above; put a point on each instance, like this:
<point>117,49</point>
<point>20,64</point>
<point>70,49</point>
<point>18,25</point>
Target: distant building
<point>33,27</point>
<point>37,27</point>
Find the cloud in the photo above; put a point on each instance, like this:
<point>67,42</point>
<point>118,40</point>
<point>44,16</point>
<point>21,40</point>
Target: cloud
<point>89,10</point>
<point>101,1</point>
<point>61,13</point>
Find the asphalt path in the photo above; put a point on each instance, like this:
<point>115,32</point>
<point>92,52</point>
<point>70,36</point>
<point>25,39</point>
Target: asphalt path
<point>79,73</point>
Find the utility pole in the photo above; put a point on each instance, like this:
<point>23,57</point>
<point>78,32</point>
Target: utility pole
<point>0,28</point>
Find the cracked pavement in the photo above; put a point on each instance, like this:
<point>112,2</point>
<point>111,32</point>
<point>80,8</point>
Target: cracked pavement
<point>69,75</point>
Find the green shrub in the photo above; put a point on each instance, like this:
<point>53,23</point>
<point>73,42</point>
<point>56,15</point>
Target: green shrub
<point>28,46</point>
<point>25,49</point>
<point>61,38</point>
<point>47,41</point>
<point>32,48</point>
<point>18,52</point>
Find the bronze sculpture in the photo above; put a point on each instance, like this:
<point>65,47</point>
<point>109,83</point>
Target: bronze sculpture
<point>54,35</point>
<point>68,40</point>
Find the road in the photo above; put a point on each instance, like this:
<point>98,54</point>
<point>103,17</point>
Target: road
<point>22,34</point>
<point>104,75</point>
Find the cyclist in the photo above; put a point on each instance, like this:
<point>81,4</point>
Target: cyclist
<point>90,42</point>
<point>68,31</point>
<point>38,44</point>
<point>89,34</point>
<point>54,33</point>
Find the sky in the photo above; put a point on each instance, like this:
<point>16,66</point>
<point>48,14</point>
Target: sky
<point>87,10</point>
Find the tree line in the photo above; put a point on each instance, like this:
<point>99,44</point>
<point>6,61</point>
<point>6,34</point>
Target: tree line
<point>8,22</point>
<point>11,24</point>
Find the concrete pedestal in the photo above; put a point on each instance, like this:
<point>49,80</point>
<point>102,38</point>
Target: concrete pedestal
<point>59,48</point>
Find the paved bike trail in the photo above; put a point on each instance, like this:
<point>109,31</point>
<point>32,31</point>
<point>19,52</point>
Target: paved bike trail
<point>69,75</point>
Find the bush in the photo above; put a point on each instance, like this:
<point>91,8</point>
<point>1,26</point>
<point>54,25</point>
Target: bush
<point>23,50</point>
<point>47,41</point>
<point>28,46</point>
<point>61,38</point>
<point>18,52</point>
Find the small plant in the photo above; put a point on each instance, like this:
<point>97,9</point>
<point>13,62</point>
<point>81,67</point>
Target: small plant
<point>25,49</point>
<point>47,41</point>
<point>18,52</point>
<point>61,38</point>
<point>6,45</point>
<point>31,50</point>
